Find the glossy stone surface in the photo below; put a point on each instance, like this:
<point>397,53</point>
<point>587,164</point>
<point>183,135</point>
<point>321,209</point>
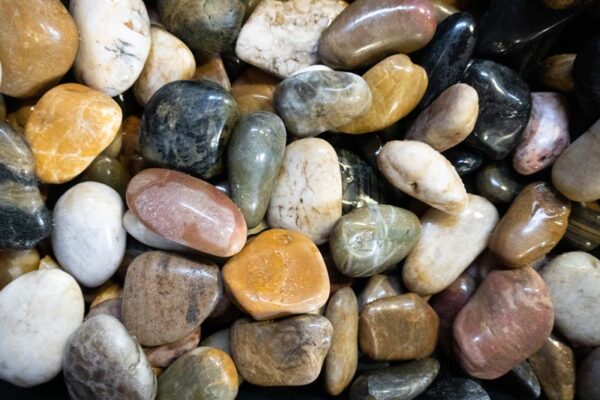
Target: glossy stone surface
<point>402,382</point>
<point>423,173</point>
<point>114,43</point>
<point>186,126</point>
<point>526,381</point>
<point>532,226</point>
<point>253,91</point>
<point>397,85</point>
<point>398,328</point>
<point>583,230</point>
<point>504,106</point>
<point>70,126</point>
<point>308,194</point>
<point>288,352</point>
<point>103,361</point>
<point>378,287</point>
<point>135,228</point>
<point>204,373</point>
<point>587,78</point>
<point>498,183</point>
<point>38,313</point>
<point>278,273</point>
<point>210,67</point>
<point>452,388</point>
<point>14,263</point>
<point>371,239</point>
<point>109,171</point>
<point>507,320</point>
<point>368,31</point>
<point>39,42</point>
<point>24,218</point>
<point>188,211</point>
<point>574,282</point>
<point>554,365</point>
<point>361,186</point>
<point>165,355</point>
<point>442,10</point>
<point>254,157</point>
<point>588,375</point>
<point>168,296</point>
<point>463,161</point>
<point>282,37</point>
<point>556,72</point>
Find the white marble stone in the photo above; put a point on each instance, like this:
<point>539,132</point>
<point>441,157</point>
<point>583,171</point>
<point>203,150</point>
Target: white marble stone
<point>38,313</point>
<point>448,245</point>
<point>169,60</point>
<point>282,37</point>
<point>135,228</point>
<point>308,193</point>
<point>574,282</point>
<point>114,43</point>
<point>423,173</point>
<point>88,237</point>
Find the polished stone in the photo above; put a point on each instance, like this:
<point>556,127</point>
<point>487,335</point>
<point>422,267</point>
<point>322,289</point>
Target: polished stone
<point>135,228</point>
<point>526,381</point>
<point>442,10</point>
<point>14,263</point>
<point>452,388</point>
<point>210,67</point>
<point>556,72</point>
<point>253,91</point>
<point>498,183</point>
<point>463,161</point>
<point>379,287</point>
<point>554,365</point>
<point>583,230</point>
<point>109,171</point>
<point>165,355</point>
<point>588,377</point>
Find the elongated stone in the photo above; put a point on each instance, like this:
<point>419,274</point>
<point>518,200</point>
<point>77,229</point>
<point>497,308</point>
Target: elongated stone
<point>554,365</point>
<point>135,228</point>
<point>378,287</point>
<point>583,230</point>
<point>253,91</point>
<point>556,72</point>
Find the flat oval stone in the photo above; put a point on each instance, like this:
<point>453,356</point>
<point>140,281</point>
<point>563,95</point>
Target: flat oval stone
<point>109,171</point>
<point>38,313</point>
<point>452,388</point>
<point>278,273</point>
<point>588,375</point>
<point>253,91</point>
<point>308,194</point>
<point>70,126</point>
<point>186,126</point>
<point>135,228</point>
<point>288,352</point>
<point>448,120</point>
<point>398,328</point>
<point>114,43</point>
<point>371,239</point>
<point>379,287</point>
<point>39,42</point>
<point>556,72</point>
<point>162,199</point>
<point>88,238</point>
<point>507,320</point>
<point>401,382</point>
<point>169,60</point>
<point>24,218</point>
<point>203,373</point>
<point>574,282</point>
<point>423,173</point>
<point>282,37</point>
<point>554,365</point>
<point>463,161</point>
<point>103,361</point>
<point>167,296</point>
<point>314,102</point>
<point>448,244</point>
<point>498,183</point>
<point>583,230</point>
<point>397,85</point>
<point>368,31</point>
<point>504,106</point>
<point>165,355</point>
<point>342,358</point>
<point>575,179</point>
<point>14,263</point>
<point>546,135</point>
<point>532,226</point>
<point>254,157</point>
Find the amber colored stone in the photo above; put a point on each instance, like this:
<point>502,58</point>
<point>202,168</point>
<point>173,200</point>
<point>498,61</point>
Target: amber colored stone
<point>18,119</point>
<point>14,263</point>
<point>39,43</point>
<point>556,72</point>
<point>188,211</point>
<point>398,328</point>
<point>397,86</point>
<point>130,156</point>
<point>532,226</point>
<point>110,290</point>
<point>554,365</point>
<point>253,91</point>
<point>278,273</point>
<point>211,68</point>
<point>70,126</point>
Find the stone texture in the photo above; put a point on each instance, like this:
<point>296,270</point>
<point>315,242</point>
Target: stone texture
<point>583,231</point>
<point>253,91</point>
<point>526,382</point>
<point>588,376</point>
<point>554,365</point>
<point>211,68</point>
<point>135,228</point>
<point>165,355</point>
<point>278,273</point>
<point>110,307</point>
<point>378,287</point>
<point>452,388</point>
<point>556,72</point>
<point>109,171</point>
<point>498,183</point>
<point>70,126</point>
<point>463,161</point>
<point>14,263</point>
<point>288,352</point>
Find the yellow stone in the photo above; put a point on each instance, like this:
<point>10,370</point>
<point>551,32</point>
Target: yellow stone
<point>253,91</point>
<point>70,126</point>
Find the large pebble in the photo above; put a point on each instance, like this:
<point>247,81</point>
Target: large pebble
<point>554,365</point>
<point>38,313</point>
<point>135,228</point>
<point>420,171</point>
<point>308,193</point>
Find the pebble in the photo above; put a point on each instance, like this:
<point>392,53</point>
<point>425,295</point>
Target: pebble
<point>583,230</point>
<point>167,296</point>
<point>39,311</point>
<point>507,320</point>
<point>109,171</point>
<point>532,226</point>
<point>114,43</point>
<point>282,37</point>
<point>165,355</point>
<point>442,10</point>
<point>187,211</point>
<point>526,381</point>
<point>308,194</point>
<point>423,173</point>
<point>554,365</point>
<point>398,328</point>
<point>574,282</point>
<point>135,228</point>
<point>288,352</point>
<point>110,307</point>
<point>368,31</point>
<point>498,183</point>
<point>588,376</point>
<point>70,126</point>
<point>88,238</point>
<point>278,273</point>
<point>210,67</point>
<point>556,72</point>
<point>14,263</point>
<point>39,42</point>
<point>452,388</point>
<point>253,91</point>
<point>103,361</point>
<point>463,161</point>
<point>379,287</point>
